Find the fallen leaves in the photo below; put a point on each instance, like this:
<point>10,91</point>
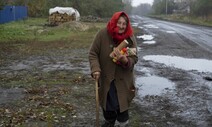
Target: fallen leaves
<point>40,104</point>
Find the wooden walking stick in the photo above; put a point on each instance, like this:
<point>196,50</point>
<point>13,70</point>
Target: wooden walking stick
<point>97,104</point>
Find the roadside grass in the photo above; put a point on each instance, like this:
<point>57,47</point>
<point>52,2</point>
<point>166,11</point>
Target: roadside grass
<point>36,29</point>
<point>33,36</point>
<point>185,19</point>
<point>20,30</point>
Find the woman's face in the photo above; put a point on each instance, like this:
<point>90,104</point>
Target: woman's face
<point>122,25</point>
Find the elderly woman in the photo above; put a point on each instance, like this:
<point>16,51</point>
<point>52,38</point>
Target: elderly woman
<point>116,78</point>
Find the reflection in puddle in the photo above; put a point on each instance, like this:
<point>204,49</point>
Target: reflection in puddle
<point>146,37</point>
<point>134,24</point>
<point>139,48</point>
<point>171,32</point>
<point>9,95</point>
<point>144,70</point>
<point>152,85</point>
<point>57,66</point>
<point>46,65</point>
<point>201,65</point>
<point>140,27</point>
<point>149,42</point>
<point>151,26</point>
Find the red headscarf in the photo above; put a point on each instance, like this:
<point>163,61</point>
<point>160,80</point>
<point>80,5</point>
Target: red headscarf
<point>113,29</point>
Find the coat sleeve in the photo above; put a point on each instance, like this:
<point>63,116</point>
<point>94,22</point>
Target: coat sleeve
<point>94,53</point>
<point>132,60</point>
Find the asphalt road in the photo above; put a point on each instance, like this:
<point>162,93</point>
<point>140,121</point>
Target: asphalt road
<point>198,34</point>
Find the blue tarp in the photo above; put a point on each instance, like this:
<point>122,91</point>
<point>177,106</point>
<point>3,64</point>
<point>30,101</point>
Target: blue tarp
<point>12,13</point>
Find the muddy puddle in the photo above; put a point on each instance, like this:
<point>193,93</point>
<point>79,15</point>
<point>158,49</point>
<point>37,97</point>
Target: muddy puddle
<point>173,86</point>
<point>177,84</point>
<point>153,85</point>
<point>200,65</point>
<point>11,95</point>
<point>46,64</point>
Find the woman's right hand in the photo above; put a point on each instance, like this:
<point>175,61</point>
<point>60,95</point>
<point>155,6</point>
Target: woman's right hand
<point>96,75</point>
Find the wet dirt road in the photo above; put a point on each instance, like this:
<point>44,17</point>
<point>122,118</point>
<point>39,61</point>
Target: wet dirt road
<point>174,73</point>
<point>50,85</point>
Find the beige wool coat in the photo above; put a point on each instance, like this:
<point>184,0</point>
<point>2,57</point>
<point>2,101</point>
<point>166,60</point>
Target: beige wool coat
<point>100,61</point>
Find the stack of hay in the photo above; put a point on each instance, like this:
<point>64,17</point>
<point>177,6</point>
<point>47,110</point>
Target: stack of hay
<point>59,15</point>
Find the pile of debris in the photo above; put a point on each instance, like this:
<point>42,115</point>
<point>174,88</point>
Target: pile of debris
<point>59,15</point>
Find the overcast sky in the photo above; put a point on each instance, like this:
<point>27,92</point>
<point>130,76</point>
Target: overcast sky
<point>138,2</point>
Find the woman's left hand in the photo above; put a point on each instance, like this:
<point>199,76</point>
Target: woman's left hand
<point>120,57</point>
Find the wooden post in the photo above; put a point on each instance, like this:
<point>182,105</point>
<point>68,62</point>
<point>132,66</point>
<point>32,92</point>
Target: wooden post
<point>97,104</point>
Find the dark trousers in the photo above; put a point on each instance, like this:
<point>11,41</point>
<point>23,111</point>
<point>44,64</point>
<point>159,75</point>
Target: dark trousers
<point>112,112</point>
<point>112,116</point>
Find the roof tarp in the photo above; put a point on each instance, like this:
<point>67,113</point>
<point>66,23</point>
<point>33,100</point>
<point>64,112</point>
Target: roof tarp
<point>62,10</point>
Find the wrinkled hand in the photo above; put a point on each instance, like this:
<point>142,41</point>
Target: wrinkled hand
<point>120,57</point>
<point>96,75</point>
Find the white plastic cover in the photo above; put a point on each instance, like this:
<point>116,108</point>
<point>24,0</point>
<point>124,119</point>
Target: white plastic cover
<point>67,10</point>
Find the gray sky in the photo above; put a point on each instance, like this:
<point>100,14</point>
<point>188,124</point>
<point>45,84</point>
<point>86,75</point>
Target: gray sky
<point>138,2</point>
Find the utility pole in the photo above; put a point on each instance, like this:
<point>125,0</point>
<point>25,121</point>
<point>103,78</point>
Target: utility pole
<point>166,7</point>
<point>25,2</point>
